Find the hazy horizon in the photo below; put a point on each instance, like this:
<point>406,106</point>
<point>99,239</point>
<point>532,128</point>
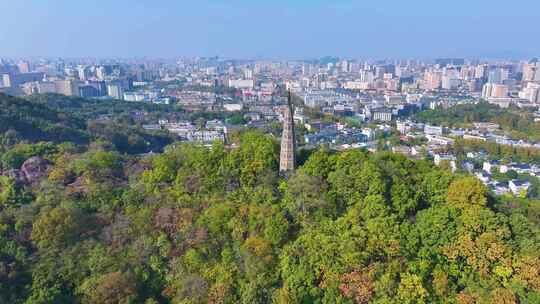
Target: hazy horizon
<point>271,30</point>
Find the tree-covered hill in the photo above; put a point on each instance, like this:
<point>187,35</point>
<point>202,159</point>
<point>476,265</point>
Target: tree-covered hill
<point>219,225</point>
<point>92,108</point>
<point>60,119</point>
<point>38,122</point>
<point>516,122</point>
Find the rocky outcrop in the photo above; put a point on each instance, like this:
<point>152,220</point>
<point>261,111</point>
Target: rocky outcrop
<point>78,186</point>
<point>34,170</point>
<point>16,175</point>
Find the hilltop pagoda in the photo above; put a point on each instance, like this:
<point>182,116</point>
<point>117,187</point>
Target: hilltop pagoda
<point>287,158</point>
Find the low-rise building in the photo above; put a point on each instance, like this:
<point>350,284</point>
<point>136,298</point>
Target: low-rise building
<point>382,114</point>
<point>440,140</point>
<point>402,150</point>
<point>519,188</point>
<point>232,107</point>
<point>490,166</point>
<point>241,83</point>
<point>433,130</point>
<point>501,188</point>
<point>438,159</point>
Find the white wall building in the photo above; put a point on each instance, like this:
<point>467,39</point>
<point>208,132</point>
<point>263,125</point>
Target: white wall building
<point>519,187</point>
<point>241,83</point>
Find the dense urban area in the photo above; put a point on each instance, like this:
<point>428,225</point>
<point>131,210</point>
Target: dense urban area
<point>162,181</point>
<point>481,117</point>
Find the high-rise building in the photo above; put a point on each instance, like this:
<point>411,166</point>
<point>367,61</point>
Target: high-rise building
<point>88,91</point>
<point>287,158</point>
<point>101,73</point>
<point>531,70</point>
<point>46,87</point>
<point>498,75</point>
<point>84,73</point>
<point>100,86</point>
<point>115,91</point>
<point>480,71</point>
<point>433,80</point>
<point>466,73</point>
<point>67,87</point>
<point>500,91</point>
<point>14,80</point>
<point>449,61</point>
<point>367,76</point>
<point>24,67</point>
<point>474,85</point>
<point>384,69</point>
<point>5,81</point>
<point>248,74</point>
<point>344,66</point>
<point>531,92</point>
<point>449,82</point>
<point>492,90</point>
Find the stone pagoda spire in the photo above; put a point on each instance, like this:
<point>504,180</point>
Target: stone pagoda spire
<point>287,159</point>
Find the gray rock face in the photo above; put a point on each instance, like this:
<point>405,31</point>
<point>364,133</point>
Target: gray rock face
<point>17,175</point>
<point>34,170</point>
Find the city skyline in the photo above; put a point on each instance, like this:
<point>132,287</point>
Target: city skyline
<point>277,30</point>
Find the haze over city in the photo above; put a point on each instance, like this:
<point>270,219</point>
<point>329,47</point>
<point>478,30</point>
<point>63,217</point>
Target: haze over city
<point>270,29</point>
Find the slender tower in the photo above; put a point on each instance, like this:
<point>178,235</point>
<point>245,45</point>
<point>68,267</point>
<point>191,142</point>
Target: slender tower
<point>288,146</point>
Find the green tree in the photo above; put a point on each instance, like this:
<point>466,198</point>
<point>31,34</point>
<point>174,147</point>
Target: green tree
<point>305,196</point>
<point>411,290</point>
<point>111,288</point>
<point>8,192</point>
<point>467,191</point>
<point>58,228</point>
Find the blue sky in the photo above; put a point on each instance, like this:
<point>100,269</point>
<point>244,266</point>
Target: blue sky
<point>270,29</point>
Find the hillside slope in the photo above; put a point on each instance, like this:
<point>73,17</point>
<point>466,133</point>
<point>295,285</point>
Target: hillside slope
<point>37,122</point>
<point>57,119</point>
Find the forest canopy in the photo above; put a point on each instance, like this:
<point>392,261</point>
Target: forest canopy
<point>516,122</point>
<point>61,119</point>
<point>91,224</point>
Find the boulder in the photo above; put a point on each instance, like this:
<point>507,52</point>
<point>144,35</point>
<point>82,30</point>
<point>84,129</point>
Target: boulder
<point>35,169</point>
